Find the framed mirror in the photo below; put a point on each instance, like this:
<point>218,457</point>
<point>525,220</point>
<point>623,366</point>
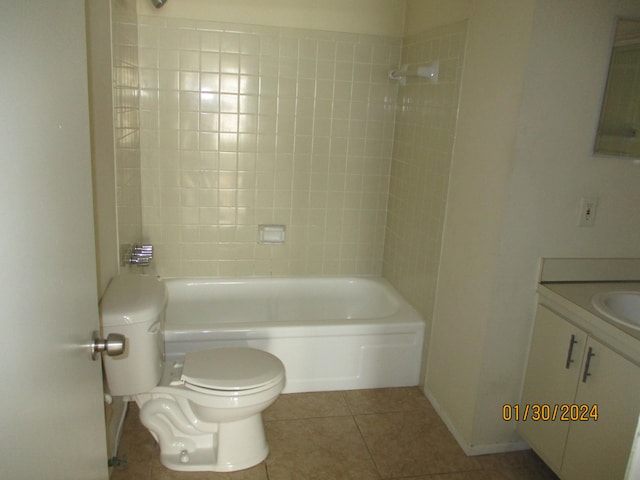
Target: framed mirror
<point>619,127</point>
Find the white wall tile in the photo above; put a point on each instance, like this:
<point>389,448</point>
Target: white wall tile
<point>236,119</point>
<point>422,146</point>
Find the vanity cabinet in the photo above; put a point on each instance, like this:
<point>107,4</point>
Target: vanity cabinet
<point>587,380</point>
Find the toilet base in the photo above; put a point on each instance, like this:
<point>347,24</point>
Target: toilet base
<point>199,461</point>
<point>204,446</point>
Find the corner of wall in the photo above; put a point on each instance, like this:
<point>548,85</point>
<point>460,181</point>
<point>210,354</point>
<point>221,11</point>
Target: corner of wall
<point>102,147</point>
<point>492,86</point>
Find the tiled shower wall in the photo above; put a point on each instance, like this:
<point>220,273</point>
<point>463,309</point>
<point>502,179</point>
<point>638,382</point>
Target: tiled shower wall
<point>126,119</point>
<point>244,125</point>
<point>425,130</point>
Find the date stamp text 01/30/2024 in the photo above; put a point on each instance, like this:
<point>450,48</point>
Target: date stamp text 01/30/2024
<point>544,412</point>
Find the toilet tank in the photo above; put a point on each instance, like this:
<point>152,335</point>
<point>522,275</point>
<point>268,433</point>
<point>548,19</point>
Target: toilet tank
<point>134,305</point>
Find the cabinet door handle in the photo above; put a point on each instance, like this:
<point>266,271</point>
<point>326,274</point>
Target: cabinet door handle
<point>587,364</point>
<point>572,342</point>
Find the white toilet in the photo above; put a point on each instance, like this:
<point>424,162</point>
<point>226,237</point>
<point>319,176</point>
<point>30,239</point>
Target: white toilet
<point>204,412</point>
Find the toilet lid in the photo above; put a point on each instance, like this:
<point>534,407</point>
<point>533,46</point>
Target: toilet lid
<point>231,368</point>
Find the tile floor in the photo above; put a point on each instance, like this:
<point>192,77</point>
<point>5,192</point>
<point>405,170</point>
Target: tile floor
<point>391,433</point>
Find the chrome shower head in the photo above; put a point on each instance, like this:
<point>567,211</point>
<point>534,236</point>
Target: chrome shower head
<point>158,3</point>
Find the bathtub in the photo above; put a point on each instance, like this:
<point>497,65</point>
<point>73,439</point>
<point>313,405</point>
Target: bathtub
<point>330,333</point>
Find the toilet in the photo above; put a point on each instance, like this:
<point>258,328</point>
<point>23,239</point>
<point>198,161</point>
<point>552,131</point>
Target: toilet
<point>206,411</point>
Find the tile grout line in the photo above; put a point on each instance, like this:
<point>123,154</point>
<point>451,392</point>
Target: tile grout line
<point>364,440</point>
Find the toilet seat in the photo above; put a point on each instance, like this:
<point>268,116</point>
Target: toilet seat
<point>231,370</point>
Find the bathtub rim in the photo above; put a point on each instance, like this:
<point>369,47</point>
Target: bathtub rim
<point>404,317</point>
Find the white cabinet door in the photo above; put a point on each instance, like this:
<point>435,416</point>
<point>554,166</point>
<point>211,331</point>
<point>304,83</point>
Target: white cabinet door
<point>51,408</point>
<point>600,449</point>
<point>555,358</point>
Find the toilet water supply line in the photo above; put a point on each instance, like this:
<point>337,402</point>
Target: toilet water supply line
<point>115,461</point>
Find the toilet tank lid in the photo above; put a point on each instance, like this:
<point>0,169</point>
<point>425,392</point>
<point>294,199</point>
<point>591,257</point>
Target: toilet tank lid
<point>132,299</point>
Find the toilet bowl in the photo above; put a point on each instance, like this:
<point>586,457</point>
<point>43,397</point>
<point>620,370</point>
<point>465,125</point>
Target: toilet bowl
<point>204,412</point>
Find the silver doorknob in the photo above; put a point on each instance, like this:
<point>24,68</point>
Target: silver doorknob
<point>113,346</point>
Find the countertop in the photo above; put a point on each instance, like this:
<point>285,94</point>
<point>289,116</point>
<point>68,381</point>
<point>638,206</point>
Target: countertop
<point>573,301</point>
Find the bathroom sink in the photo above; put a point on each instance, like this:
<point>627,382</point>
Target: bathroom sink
<point>622,307</point>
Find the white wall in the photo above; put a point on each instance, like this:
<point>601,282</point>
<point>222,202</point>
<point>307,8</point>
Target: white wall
<point>489,104</point>
<point>102,146</point>
<point>529,108</point>
<point>113,90</point>
<point>377,17</point>
<point>552,169</point>
<point>424,15</point>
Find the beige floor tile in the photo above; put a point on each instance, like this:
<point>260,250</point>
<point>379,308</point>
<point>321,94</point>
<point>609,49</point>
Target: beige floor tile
<point>136,450</point>
<point>470,475</point>
<point>318,449</point>
<point>159,472</point>
<point>412,443</point>
<point>136,446</point>
<point>536,472</point>
<point>518,459</point>
<point>504,470</point>
<point>132,471</point>
<point>385,400</point>
<point>524,458</point>
<point>132,420</point>
<point>307,405</point>
<point>510,473</point>
<point>360,435</point>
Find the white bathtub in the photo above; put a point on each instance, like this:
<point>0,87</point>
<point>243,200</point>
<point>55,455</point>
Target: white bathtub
<point>330,333</point>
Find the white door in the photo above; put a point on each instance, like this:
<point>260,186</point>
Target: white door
<point>51,413</point>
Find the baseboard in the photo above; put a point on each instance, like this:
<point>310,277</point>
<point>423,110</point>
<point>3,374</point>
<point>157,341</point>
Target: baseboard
<point>472,450</point>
